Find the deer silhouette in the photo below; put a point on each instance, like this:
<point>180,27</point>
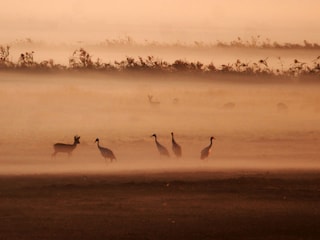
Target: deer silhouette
<point>65,148</point>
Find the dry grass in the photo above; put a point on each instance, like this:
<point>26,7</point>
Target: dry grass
<point>82,60</point>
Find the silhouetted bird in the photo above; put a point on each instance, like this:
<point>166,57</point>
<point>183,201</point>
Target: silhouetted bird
<point>162,150</point>
<point>176,148</point>
<point>206,151</point>
<point>105,152</point>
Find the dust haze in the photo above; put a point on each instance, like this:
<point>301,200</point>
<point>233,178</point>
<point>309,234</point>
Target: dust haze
<point>205,20</point>
<point>256,126</point>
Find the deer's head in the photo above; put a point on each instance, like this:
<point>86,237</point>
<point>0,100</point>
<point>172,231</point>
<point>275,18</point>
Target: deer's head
<point>76,139</point>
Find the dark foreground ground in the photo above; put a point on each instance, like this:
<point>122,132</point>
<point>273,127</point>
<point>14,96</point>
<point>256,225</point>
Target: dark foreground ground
<point>167,205</point>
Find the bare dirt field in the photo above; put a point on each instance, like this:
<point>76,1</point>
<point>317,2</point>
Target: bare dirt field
<point>162,205</point>
<point>260,182</point>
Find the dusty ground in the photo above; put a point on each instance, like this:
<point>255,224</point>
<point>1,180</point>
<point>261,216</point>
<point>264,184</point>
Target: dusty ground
<point>251,130</point>
<point>162,205</point>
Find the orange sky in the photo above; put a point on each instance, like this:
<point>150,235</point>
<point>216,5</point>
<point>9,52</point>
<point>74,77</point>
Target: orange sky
<point>163,20</point>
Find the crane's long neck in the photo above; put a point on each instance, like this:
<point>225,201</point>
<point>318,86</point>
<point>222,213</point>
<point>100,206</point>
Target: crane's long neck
<point>155,139</point>
<point>172,138</point>
<point>210,143</point>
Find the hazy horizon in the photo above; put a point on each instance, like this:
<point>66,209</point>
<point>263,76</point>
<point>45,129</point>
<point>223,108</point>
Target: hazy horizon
<point>43,109</point>
<point>166,21</point>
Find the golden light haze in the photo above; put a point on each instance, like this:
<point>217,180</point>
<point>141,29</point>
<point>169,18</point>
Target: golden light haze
<point>201,20</point>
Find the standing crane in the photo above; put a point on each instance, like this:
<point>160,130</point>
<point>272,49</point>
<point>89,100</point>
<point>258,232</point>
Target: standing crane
<point>162,149</point>
<point>65,148</point>
<point>176,148</point>
<point>206,151</point>
<point>105,152</point>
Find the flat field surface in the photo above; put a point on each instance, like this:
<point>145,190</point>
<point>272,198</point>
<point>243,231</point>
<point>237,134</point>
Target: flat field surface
<point>162,205</point>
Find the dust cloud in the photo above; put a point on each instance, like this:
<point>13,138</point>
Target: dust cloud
<point>255,126</point>
<point>165,20</point>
